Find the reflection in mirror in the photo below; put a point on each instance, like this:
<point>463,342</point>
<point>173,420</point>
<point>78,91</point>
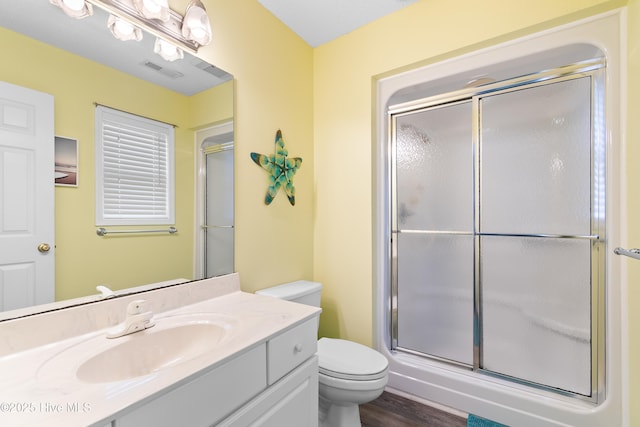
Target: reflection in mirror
<point>90,38</point>
<point>216,163</point>
<point>80,64</point>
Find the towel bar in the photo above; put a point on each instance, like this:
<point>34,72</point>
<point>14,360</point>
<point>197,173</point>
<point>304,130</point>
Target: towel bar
<point>632,253</point>
<point>103,231</point>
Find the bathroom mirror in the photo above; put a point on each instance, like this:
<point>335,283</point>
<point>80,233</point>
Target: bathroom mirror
<point>187,79</point>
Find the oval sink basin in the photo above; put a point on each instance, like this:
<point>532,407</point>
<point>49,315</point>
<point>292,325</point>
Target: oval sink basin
<point>149,351</point>
<point>172,341</point>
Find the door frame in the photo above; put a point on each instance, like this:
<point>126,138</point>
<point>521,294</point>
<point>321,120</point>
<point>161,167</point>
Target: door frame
<point>201,180</point>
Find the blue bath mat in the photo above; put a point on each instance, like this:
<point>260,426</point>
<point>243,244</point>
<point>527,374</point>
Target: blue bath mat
<point>475,421</point>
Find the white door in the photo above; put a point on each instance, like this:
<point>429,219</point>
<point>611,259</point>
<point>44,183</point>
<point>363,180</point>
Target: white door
<point>26,197</point>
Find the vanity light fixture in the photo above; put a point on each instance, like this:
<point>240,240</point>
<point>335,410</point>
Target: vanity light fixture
<point>74,8</point>
<point>196,25</point>
<point>170,31</point>
<point>154,16</point>
<point>175,32</point>
<point>123,30</point>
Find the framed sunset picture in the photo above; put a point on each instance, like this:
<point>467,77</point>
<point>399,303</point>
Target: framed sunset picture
<point>66,161</point>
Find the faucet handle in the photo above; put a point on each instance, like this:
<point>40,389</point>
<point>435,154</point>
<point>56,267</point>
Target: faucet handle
<point>137,306</point>
<point>138,318</point>
<point>105,291</point>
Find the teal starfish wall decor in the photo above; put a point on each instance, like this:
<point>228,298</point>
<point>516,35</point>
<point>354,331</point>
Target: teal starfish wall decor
<point>281,170</point>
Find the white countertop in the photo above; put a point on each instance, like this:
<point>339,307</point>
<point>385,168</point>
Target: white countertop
<point>32,395</point>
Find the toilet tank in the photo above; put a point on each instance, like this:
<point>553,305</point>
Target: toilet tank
<point>301,291</point>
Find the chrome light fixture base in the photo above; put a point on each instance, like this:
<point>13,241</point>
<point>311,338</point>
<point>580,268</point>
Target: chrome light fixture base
<point>171,30</point>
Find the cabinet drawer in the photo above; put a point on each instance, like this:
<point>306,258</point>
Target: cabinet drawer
<point>290,349</point>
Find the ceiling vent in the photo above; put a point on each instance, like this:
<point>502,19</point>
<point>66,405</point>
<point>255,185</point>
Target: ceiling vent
<point>214,71</point>
<point>172,74</point>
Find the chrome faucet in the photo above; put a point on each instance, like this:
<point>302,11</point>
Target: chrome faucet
<point>138,319</point>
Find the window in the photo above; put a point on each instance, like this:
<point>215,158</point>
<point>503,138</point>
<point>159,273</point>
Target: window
<point>134,169</point>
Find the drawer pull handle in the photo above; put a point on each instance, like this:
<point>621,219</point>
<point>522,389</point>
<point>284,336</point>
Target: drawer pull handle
<point>297,348</point>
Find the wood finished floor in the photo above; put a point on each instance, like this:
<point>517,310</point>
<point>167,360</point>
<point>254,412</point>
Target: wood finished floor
<point>391,410</point>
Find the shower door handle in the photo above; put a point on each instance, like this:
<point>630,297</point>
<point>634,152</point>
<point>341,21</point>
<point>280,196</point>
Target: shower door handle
<point>631,253</point>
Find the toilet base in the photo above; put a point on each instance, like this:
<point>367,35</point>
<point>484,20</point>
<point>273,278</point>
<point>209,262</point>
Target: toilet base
<point>333,415</point>
<point>340,399</point>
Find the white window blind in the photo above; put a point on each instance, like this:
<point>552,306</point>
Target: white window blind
<point>134,169</point>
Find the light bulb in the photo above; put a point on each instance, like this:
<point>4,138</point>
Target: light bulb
<point>197,22</point>
<point>123,30</point>
<point>152,6</point>
<point>167,51</point>
<point>74,8</point>
<point>153,9</point>
<point>196,25</point>
<point>76,5</point>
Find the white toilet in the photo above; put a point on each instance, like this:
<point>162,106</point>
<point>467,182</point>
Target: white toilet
<point>350,374</point>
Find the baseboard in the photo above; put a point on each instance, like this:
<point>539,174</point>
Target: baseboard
<point>427,402</point>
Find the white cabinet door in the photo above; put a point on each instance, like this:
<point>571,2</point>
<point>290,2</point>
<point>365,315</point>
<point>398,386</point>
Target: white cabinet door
<point>291,402</point>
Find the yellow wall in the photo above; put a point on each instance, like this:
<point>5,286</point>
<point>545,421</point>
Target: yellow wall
<point>84,260</point>
<point>205,111</point>
<point>273,69</point>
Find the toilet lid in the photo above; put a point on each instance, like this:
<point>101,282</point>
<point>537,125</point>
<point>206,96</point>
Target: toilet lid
<point>349,360</point>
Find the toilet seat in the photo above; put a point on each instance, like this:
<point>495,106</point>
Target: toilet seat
<point>347,360</point>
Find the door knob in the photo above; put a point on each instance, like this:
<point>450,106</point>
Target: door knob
<point>44,247</point>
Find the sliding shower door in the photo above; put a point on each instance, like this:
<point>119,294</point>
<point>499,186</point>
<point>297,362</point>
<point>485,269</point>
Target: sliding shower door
<point>434,252</point>
<point>535,234</point>
<point>219,226</point>
<point>497,222</point>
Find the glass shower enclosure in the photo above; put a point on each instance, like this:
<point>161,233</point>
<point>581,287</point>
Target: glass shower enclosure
<point>498,226</point>
<point>219,202</point>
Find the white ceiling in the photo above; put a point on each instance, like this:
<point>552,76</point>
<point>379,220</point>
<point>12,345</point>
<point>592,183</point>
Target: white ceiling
<point>320,21</point>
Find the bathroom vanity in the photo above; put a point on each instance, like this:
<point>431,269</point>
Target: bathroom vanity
<point>215,356</point>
